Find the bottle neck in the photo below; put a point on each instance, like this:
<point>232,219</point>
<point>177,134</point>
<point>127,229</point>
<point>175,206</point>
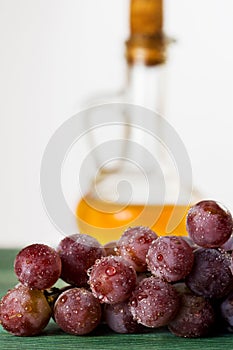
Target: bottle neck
<point>145,86</point>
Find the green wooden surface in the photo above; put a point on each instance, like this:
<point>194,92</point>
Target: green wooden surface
<point>102,338</point>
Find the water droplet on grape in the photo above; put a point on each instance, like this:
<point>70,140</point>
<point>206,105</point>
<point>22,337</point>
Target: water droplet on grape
<point>159,257</point>
<point>63,299</point>
<point>15,315</point>
<point>142,296</point>
<point>134,302</point>
<point>28,308</point>
<point>111,271</point>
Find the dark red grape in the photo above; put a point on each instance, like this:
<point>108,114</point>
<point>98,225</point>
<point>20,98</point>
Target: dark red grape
<point>120,319</point>
<point>170,258</point>
<point>195,317</point>
<point>24,311</point>
<point>77,311</point>
<point>154,302</point>
<point>78,253</point>
<point>209,224</point>
<point>38,266</point>
<point>134,244</point>
<point>210,276</point>
<point>112,279</point>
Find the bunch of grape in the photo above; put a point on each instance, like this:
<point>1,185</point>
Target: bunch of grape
<point>139,283</point>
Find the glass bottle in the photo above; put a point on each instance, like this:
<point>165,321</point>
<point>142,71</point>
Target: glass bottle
<point>105,213</point>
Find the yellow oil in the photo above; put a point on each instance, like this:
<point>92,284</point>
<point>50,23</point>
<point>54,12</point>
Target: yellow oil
<point>107,221</point>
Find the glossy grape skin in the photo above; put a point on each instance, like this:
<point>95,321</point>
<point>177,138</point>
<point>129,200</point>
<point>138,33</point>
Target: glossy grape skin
<point>170,258</point>
<point>77,311</point>
<point>24,311</point>
<point>78,253</point>
<point>112,279</point>
<point>154,303</point>
<point>195,317</point>
<point>119,318</point>
<point>210,276</point>
<point>38,266</point>
<point>133,246</point>
<point>209,224</point>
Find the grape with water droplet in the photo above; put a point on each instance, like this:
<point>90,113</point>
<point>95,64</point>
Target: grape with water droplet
<point>209,224</point>
<point>211,275</point>
<point>154,302</point>
<point>195,317</point>
<point>133,246</point>
<point>77,311</point>
<point>112,279</point>
<point>170,258</point>
<point>78,253</point>
<point>38,266</point>
<point>119,318</point>
<point>24,311</point>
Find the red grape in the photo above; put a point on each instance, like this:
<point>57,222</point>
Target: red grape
<point>134,244</point>
<point>24,311</point>
<point>195,317</point>
<point>170,258</point>
<point>119,318</point>
<point>211,275</point>
<point>78,253</point>
<point>38,266</point>
<point>209,224</point>
<point>77,311</point>
<point>154,302</point>
<point>112,279</point>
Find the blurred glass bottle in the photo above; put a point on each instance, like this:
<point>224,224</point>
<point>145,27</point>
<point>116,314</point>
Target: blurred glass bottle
<point>107,208</point>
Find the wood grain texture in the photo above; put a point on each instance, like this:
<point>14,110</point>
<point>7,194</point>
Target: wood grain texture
<point>102,338</point>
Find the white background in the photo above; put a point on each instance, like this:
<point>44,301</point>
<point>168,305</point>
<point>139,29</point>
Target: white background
<point>55,53</point>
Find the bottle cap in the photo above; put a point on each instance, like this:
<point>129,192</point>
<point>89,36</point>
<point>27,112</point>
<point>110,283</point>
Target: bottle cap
<point>147,42</point>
